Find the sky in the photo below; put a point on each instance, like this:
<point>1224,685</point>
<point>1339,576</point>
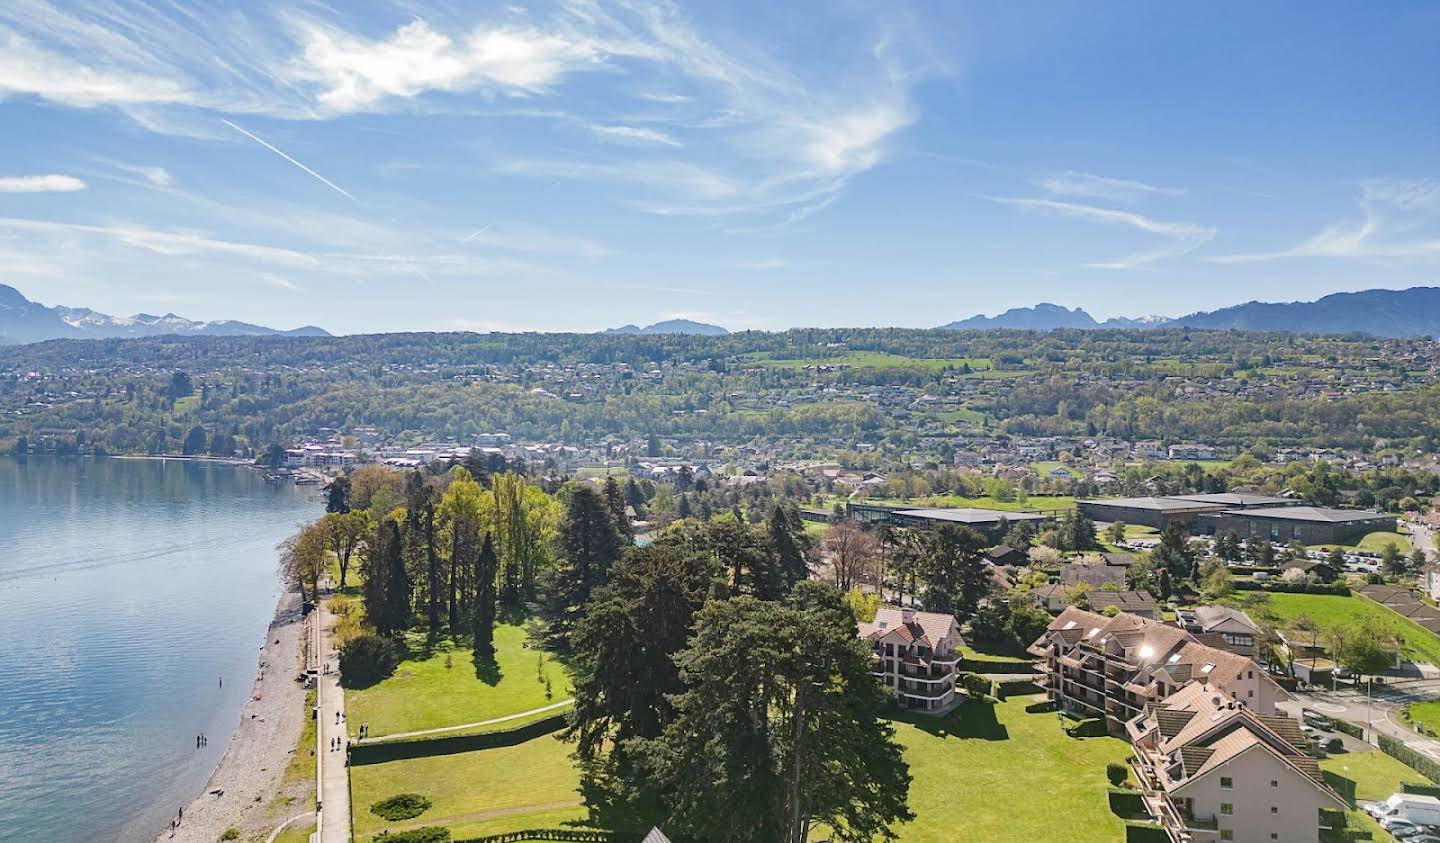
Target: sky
<point>589,163</point>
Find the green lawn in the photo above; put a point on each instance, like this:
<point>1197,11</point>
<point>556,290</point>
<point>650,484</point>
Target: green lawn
<point>1004,774</point>
<point>302,762</point>
<point>1426,714</point>
<point>1375,542</point>
<point>1329,611</point>
<point>425,694</point>
<point>298,832</point>
<point>530,785</point>
<point>1044,468</point>
<point>1369,776</point>
<point>1033,502</point>
<point>877,360</point>
<point>964,414</point>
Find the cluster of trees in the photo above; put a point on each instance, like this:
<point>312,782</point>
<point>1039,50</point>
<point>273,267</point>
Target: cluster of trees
<point>710,673</point>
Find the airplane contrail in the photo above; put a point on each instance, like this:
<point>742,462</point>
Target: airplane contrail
<point>476,233</point>
<point>330,184</point>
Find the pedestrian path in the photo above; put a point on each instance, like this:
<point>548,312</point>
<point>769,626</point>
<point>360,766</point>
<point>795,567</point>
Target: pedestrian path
<point>332,777</point>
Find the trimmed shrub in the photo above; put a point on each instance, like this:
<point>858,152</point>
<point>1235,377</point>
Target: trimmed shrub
<point>1136,832</point>
<point>231,833</point>
<point>428,834</point>
<point>1338,589</point>
<point>1420,788</point>
<point>1117,773</point>
<point>1425,765</point>
<point>1348,728</point>
<point>1334,745</point>
<point>1093,727</point>
<point>401,806</point>
<point>367,659</point>
<point>1015,687</point>
<point>1042,707</point>
<point>1128,804</point>
<point>974,685</point>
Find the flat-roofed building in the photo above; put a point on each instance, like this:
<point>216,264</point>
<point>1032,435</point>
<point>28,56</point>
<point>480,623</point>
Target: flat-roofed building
<point>989,522</point>
<point>1157,512</point>
<point>1308,525</point>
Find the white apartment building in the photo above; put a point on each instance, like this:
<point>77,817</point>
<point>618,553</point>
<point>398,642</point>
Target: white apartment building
<point>917,655</point>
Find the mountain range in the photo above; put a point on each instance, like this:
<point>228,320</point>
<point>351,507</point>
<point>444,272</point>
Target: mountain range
<point>25,321</point>
<point>671,326</point>
<point>1386,313</point>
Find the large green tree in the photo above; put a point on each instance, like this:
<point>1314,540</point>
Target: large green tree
<point>780,715</point>
<point>487,569</point>
<point>956,574</point>
<point>589,545</point>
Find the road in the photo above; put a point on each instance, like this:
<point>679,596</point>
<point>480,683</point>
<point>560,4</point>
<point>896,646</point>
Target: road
<point>333,779</point>
<point>1381,712</point>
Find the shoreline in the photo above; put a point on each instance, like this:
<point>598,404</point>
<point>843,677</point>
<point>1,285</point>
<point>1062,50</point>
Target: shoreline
<point>248,775</point>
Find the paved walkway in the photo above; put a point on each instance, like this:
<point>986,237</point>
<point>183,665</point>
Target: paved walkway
<point>332,777</point>
<point>442,729</point>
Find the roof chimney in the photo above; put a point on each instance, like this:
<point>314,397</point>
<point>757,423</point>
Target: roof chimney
<point>907,615</point>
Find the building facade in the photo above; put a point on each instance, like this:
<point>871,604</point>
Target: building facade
<point>917,655</point>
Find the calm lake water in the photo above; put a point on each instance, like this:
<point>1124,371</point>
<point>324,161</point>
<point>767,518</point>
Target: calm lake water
<point>128,588</point>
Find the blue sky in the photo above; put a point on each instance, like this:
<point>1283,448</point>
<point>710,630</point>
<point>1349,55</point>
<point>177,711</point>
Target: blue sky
<point>416,166</point>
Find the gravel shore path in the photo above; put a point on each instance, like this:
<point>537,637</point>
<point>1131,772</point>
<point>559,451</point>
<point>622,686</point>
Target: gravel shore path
<point>260,748</point>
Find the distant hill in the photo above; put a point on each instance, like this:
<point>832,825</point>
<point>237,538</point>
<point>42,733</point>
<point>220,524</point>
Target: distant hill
<point>671,326</point>
<point>1385,313</point>
<point>25,321</point>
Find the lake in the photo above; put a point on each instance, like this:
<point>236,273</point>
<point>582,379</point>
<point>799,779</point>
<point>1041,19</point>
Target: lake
<point>128,589</point>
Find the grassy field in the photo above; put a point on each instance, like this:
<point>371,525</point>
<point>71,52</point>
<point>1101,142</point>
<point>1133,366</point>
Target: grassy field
<point>1375,542</point>
<point>956,501</point>
<point>878,360</point>
<point>964,414</point>
<point>986,778</point>
<point>619,472</point>
<point>299,832</point>
<point>1426,714</point>
<point>530,785</point>
<point>1329,611</point>
<point>425,694</point>
<point>1369,776</point>
<point>302,763</point>
<point>1044,468</point>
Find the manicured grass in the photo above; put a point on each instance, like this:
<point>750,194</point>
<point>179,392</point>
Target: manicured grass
<point>1368,776</point>
<point>617,471</point>
<point>1426,714</point>
<point>878,360</point>
<point>1375,542</point>
<point>1004,774</point>
<point>818,529</point>
<point>530,785</point>
<point>1329,611</point>
<point>425,694</point>
<point>299,832</point>
<point>1034,502</point>
<point>995,658</point>
<point>964,414</point>
<point>1045,467</point>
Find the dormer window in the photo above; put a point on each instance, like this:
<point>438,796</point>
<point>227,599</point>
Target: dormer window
<point>1173,659</point>
<point>1209,666</point>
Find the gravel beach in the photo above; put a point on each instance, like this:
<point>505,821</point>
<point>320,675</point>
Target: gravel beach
<point>240,792</point>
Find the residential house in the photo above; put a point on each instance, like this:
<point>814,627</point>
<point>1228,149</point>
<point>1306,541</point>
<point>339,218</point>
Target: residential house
<point>1213,769</point>
<point>1230,628</point>
<point>917,655</point>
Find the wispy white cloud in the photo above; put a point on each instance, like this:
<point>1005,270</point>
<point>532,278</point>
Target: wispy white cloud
<point>156,175</point>
<point>40,184</point>
<point>1399,219</point>
<point>1075,183</point>
<point>762,264</point>
<point>634,134</point>
<point>1185,236</point>
<point>280,282</point>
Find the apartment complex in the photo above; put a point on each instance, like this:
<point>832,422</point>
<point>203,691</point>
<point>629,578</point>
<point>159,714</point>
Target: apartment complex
<point>1216,760</point>
<point>1211,769</point>
<point>917,655</point>
<point>1097,666</point>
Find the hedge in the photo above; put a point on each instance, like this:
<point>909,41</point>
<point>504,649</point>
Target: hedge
<point>1015,687</point>
<point>382,751</point>
<point>1042,707</point>
<point>1337,589</point>
<point>1423,764</point>
<point>1348,728</point>
<point>428,834</point>
<point>562,834</point>
<point>1420,788</point>
<point>1093,727</point>
<point>1136,832</point>
<point>1128,804</point>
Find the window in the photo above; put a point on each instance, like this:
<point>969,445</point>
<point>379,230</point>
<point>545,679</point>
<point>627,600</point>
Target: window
<point>1274,809</point>
<point>1274,783</point>
<point>1227,782</point>
<point>1227,834</point>
<point>1227,808</point>
<point>1274,835</point>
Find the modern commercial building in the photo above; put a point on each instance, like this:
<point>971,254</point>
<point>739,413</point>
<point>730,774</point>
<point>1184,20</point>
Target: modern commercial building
<point>1160,512</point>
<point>1213,769</point>
<point>989,522</point>
<point>1308,525</point>
<point>917,655</point>
<point>1097,666</point>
